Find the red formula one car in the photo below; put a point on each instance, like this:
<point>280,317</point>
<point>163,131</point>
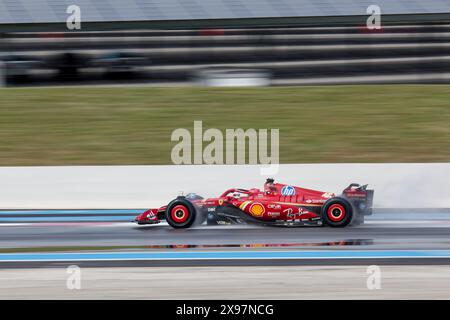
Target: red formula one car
<point>278,204</point>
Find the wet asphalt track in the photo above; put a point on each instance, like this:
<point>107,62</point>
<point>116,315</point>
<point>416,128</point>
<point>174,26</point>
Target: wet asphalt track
<point>374,234</point>
<point>380,234</point>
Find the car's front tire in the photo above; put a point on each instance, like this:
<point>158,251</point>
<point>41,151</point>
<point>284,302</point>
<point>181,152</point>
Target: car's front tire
<point>337,212</point>
<point>180,213</point>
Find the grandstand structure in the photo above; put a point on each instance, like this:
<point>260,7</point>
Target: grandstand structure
<point>170,41</point>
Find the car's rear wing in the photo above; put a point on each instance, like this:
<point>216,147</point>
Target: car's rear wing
<point>360,197</point>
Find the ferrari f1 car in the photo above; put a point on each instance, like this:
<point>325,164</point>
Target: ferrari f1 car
<point>278,205</point>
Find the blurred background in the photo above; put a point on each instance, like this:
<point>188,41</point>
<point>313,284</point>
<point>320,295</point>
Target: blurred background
<point>224,42</point>
<point>138,69</point>
<point>348,95</point>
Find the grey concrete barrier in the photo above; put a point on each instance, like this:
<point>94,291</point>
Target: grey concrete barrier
<point>397,185</point>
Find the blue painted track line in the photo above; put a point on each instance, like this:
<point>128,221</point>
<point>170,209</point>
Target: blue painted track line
<point>225,255</point>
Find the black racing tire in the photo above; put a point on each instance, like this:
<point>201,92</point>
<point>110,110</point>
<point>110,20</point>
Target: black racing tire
<point>337,212</point>
<point>180,213</point>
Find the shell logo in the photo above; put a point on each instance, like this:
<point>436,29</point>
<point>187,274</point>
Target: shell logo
<point>257,209</point>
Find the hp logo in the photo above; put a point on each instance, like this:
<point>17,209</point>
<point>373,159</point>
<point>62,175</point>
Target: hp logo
<point>287,191</point>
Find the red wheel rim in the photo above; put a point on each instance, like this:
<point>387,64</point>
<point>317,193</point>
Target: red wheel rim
<point>336,212</point>
<point>179,213</point>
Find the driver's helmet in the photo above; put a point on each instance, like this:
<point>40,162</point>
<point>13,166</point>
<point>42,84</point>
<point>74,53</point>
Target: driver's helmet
<point>269,186</point>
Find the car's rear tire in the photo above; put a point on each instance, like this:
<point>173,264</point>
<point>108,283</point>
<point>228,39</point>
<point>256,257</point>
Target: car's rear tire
<point>180,213</point>
<point>337,212</point>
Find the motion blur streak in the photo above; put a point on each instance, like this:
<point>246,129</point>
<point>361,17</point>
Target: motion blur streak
<point>288,56</point>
